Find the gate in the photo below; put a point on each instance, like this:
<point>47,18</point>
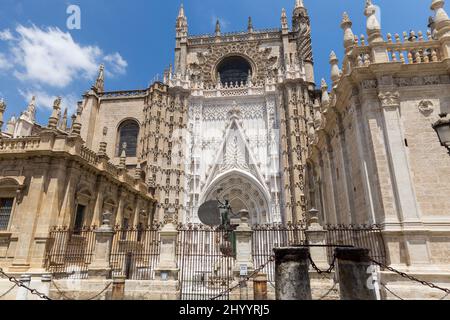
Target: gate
<point>135,252</point>
<point>205,271</point>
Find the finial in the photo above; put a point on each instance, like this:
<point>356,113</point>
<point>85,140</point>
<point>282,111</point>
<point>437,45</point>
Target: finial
<point>299,4</point>
<point>373,25</point>
<point>441,19</point>
<point>181,12</point>
<point>349,36</point>
<point>284,21</point>
<point>103,143</point>
<point>218,31</point>
<point>250,25</point>
<point>138,171</point>
<point>325,96</point>
<point>2,111</point>
<point>63,125</point>
<point>335,71</point>
<point>100,82</point>
<point>76,122</point>
<point>123,156</point>
<point>54,118</point>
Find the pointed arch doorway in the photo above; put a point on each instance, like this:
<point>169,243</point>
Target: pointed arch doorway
<point>244,192</point>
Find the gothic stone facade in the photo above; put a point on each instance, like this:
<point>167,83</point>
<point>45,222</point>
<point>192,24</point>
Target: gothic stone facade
<point>238,116</point>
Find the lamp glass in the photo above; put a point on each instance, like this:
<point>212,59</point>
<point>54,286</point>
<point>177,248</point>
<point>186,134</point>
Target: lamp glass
<point>444,133</point>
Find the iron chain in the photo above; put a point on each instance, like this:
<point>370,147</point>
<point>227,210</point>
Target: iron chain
<point>407,276</point>
<point>20,284</point>
<point>318,270</point>
<point>391,292</point>
<point>252,275</point>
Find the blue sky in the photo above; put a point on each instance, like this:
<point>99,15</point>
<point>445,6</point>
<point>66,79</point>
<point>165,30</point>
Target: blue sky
<point>135,39</point>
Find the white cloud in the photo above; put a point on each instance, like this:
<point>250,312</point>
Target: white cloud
<point>51,57</point>
<point>4,63</point>
<point>6,35</point>
<point>116,63</point>
<point>44,100</point>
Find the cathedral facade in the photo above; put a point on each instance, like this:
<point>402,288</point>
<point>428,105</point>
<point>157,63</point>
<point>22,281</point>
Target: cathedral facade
<point>239,116</point>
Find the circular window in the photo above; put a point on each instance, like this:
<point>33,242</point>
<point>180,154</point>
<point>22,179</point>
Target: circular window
<point>234,69</point>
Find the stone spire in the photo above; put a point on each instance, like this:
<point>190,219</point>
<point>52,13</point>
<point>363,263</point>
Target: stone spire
<point>76,124</point>
<point>63,125</point>
<point>349,36</point>
<point>100,82</point>
<point>373,25</point>
<point>441,19</point>
<point>284,22</point>
<point>2,111</point>
<point>299,16</point>
<point>299,4</point>
<point>250,25</point>
<point>182,23</point>
<point>218,31</point>
<point>335,71</point>
<point>138,171</point>
<point>30,113</point>
<point>123,157</point>
<point>54,118</point>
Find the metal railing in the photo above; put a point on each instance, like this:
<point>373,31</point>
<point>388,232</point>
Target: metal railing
<point>360,236</point>
<point>267,237</point>
<point>69,252</point>
<point>135,252</point>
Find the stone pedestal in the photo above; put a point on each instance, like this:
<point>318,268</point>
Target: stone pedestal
<point>167,268</point>
<point>316,236</point>
<point>118,289</point>
<point>100,266</point>
<point>292,274</point>
<point>355,274</point>
<point>244,256</point>
<point>46,282</point>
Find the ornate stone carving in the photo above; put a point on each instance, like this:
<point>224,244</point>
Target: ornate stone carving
<point>389,99</point>
<point>426,107</point>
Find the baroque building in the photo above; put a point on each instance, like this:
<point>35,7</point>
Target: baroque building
<point>239,117</point>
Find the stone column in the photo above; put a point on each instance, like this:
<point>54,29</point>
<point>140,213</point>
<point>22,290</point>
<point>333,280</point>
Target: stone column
<point>354,271</point>
<point>22,293</point>
<point>244,256</point>
<point>316,237</point>
<point>292,274</point>
<point>100,266</point>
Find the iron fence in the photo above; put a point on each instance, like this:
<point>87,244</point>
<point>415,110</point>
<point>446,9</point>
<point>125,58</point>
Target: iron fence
<point>69,252</point>
<point>360,236</point>
<point>135,252</point>
<point>267,237</point>
<point>206,262</point>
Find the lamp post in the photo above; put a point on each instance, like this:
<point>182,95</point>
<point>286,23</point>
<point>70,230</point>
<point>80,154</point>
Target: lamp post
<point>442,128</point>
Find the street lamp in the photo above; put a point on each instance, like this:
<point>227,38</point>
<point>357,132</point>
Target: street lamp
<point>442,128</point>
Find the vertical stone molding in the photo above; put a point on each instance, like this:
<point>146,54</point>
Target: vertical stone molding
<point>398,158</point>
<point>354,270</point>
<point>167,268</point>
<point>292,274</point>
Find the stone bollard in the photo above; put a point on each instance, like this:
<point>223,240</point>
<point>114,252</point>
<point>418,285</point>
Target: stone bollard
<point>292,274</point>
<point>118,289</point>
<point>354,271</point>
<point>46,282</point>
<point>260,287</point>
<point>22,293</point>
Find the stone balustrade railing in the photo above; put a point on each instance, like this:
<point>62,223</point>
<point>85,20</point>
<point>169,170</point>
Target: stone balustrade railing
<point>89,155</point>
<point>20,144</point>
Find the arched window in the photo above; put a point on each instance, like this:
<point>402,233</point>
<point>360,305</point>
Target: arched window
<point>234,69</point>
<point>128,133</point>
